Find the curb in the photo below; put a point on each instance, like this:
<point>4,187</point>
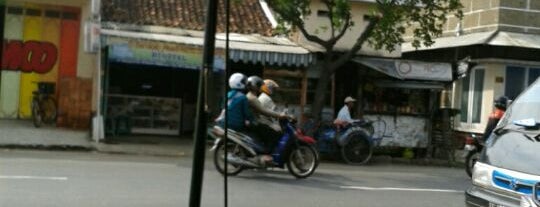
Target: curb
<point>48,147</point>
<point>179,154</point>
<point>428,162</point>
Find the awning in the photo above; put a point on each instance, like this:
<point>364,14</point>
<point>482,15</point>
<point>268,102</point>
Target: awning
<point>246,48</point>
<point>516,40</point>
<point>410,85</point>
<point>495,38</point>
<point>409,69</point>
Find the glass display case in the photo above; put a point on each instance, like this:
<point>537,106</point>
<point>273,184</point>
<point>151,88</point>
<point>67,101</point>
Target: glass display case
<point>146,114</point>
<point>391,101</point>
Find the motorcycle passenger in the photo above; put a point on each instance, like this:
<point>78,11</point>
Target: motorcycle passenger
<point>268,88</point>
<point>263,131</point>
<point>500,107</point>
<point>238,112</point>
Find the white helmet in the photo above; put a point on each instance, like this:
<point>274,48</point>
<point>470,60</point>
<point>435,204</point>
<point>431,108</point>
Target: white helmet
<point>237,81</point>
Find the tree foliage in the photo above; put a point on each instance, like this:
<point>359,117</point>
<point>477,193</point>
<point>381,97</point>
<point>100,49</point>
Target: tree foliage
<point>388,22</point>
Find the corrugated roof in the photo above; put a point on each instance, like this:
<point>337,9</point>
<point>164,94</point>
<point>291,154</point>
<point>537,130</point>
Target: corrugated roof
<point>247,48</point>
<point>516,40</point>
<point>495,38</point>
<point>447,42</point>
<point>247,16</point>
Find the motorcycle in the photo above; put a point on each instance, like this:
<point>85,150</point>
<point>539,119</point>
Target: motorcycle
<point>294,150</point>
<point>472,149</point>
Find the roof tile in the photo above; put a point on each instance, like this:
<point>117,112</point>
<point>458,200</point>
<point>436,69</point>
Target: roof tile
<point>247,16</point>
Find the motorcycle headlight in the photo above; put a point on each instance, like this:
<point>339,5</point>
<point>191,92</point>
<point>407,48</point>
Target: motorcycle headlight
<point>481,175</point>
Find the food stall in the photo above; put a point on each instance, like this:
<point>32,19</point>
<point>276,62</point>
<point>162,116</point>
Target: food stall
<point>401,96</point>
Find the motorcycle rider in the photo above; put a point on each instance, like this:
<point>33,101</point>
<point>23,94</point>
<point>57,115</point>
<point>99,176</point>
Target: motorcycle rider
<point>268,88</point>
<point>261,127</point>
<point>238,112</point>
<point>500,107</point>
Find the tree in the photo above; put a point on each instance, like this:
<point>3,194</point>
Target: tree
<point>388,21</point>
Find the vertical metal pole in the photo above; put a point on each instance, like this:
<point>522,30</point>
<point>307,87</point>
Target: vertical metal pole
<point>200,126</point>
<point>2,24</point>
<point>227,28</point>
<point>98,132</point>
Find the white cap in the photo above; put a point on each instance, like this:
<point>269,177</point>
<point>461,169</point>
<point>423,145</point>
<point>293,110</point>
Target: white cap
<point>349,99</point>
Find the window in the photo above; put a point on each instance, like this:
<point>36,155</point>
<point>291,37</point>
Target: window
<point>471,96</point>
<point>518,78</point>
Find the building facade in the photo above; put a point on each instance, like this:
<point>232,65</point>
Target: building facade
<point>153,58</point>
<point>502,40</point>
<point>44,42</point>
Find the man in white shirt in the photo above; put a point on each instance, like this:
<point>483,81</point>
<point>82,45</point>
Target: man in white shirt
<point>344,115</point>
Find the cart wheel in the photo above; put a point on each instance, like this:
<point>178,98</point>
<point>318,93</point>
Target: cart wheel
<point>357,150</point>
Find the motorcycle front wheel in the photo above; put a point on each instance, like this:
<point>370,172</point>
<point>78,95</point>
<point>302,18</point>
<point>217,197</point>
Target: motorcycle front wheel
<point>233,149</point>
<point>470,160</point>
<point>303,161</point>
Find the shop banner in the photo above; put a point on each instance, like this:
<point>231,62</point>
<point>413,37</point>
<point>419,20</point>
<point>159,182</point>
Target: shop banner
<point>409,69</point>
<point>138,51</point>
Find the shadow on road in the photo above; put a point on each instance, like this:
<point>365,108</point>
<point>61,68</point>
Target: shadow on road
<point>317,180</point>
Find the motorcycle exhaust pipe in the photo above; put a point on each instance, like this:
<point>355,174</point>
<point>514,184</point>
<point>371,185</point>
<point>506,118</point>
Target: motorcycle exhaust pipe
<point>239,161</point>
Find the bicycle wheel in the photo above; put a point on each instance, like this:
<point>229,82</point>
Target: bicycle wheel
<point>357,150</point>
<point>49,110</point>
<point>36,113</point>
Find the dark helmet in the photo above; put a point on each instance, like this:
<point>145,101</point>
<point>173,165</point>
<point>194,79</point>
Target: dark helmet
<point>501,102</point>
<point>254,83</point>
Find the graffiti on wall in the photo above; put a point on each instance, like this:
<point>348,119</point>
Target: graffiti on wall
<point>400,131</point>
<point>30,56</point>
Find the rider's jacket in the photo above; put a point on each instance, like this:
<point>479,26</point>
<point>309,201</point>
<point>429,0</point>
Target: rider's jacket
<point>238,111</point>
<point>259,110</point>
<point>494,118</point>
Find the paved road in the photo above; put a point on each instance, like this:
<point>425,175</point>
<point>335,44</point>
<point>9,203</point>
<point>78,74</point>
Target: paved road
<point>44,178</point>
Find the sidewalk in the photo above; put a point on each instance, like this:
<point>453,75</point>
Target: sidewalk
<point>23,134</point>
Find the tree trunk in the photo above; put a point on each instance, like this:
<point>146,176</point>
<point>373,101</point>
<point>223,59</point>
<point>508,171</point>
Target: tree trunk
<point>320,92</point>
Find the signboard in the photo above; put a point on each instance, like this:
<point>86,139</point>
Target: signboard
<point>424,70</point>
<point>148,52</point>
<point>409,69</point>
<point>91,37</point>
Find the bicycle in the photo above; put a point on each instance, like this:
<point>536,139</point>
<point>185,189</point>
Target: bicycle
<point>44,109</point>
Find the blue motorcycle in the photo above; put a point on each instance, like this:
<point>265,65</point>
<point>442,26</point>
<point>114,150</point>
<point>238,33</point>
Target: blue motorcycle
<point>294,150</point>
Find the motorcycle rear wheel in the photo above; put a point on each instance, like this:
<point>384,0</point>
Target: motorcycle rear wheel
<point>219,158</point>
<point>303,161</point>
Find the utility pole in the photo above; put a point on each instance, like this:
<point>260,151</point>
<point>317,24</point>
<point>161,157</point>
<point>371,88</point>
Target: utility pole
<point>202,114</point>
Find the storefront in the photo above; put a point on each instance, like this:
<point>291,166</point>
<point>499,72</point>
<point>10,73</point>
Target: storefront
<point>43,43</point>
<point>401,95</point>
<point>151,80</point>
